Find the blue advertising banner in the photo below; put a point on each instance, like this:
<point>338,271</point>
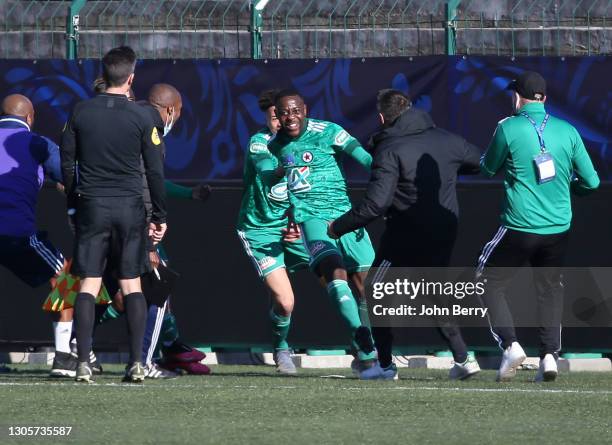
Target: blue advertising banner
<point>464,94</point>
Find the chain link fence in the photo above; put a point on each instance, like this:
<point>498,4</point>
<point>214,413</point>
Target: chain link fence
<point>179,29</point>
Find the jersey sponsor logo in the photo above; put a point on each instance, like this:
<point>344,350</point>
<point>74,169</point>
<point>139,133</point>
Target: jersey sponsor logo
<point>279,192</point>
<point>258,147</point>
<point>341,138</point>
<point>307,157</point>
<point>316,247</point>
<point>266,262</point>
<point>297,181</point>
<point>155,136</point>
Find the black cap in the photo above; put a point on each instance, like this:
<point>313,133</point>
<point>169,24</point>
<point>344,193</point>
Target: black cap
<point>529,85</point>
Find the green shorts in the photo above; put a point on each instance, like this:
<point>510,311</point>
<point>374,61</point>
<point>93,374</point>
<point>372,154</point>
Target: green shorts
<point>269,252</point>
<point>355,248</point>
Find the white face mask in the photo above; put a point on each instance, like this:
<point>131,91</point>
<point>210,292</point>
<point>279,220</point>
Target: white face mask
<point>515,102</point>
<point>168,125</point>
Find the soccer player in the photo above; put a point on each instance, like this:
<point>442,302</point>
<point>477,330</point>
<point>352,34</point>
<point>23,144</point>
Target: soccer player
<point>25,158</point>
<point>108,136</point>
<point>308,150</point>
<point>263,229</point>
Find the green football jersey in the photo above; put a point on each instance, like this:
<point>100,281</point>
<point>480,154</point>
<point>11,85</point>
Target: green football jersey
<point>315,180</point>
<point>265,199</point>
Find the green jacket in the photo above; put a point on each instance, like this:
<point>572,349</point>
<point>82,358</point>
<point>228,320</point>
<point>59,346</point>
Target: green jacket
<point>529,206</point>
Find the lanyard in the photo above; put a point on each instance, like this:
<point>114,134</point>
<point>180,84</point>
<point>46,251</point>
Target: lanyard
<point>539,130</point>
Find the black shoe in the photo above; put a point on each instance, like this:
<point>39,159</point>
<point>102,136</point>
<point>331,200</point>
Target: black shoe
<point>363,338</point>
<point>94,364</point>
<point>134,373</point>
<point>64,365</point>
<point>84,373</point>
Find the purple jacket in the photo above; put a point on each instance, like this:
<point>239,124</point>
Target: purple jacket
<point>25,157</point>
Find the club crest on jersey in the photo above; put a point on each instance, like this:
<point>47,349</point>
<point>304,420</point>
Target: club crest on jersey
<point>278,192</point>
<point>307,157</point>
<point>266,262</point>
<point>341,138</point>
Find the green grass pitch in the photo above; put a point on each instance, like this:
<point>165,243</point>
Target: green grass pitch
<point>253,405</point>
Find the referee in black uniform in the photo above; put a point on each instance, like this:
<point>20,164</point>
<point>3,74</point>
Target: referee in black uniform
<point>101,152</point>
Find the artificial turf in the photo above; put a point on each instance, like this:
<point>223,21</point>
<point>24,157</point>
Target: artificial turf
<point>253,405</point>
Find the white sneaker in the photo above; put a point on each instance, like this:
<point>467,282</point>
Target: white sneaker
<point>153,371</point>
<point>548,369</point>
<point>284,362</point>
<point>511,359</point>
<point>465,370</point>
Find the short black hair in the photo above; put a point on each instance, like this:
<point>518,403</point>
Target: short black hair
<point>117,65</point>
<point>267,99</point>
<point>287,92</point>
<point>391,104</point>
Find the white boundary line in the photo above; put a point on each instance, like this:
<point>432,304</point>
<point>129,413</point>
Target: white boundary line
<point>353,388</point>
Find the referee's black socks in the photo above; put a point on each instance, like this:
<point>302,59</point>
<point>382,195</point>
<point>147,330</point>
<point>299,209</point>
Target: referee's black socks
<point>84,316</point>
<point>136,312</point>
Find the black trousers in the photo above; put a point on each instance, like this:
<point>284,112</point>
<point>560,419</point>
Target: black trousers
<point>498,264</point>
<point>409,245</point>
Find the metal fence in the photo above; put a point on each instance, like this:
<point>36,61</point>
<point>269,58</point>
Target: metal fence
<point>303,28</point>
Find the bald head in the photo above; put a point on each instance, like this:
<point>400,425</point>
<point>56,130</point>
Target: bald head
<point>164,95</point>
<point>168,102</point>
<point>18,105</point>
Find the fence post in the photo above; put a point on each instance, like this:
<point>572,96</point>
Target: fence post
<point>72,28</point>
<point>257,6</point>
<point>450,26</point>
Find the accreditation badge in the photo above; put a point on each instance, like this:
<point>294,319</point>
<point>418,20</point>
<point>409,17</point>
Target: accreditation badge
<point>545,167</point>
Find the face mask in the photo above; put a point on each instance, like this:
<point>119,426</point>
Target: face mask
<point>515,103</point>
<point>168,125</point>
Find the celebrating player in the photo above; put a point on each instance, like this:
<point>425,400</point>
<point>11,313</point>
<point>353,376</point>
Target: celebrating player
<point>308,150</point>
<point>262,228</point>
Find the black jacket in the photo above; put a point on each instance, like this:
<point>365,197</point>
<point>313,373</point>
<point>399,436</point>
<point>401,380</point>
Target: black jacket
<point>414,174</point>
<point>159,124</point>
<point>107,137</point>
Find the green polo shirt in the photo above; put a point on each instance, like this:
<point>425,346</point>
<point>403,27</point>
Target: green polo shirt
<point>529,206</point>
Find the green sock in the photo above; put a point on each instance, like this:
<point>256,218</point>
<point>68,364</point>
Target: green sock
<point>364,316</point>
<point>280,330</point>
<point>109,314</point>
<point>169,330</point>
<point>341,295</point>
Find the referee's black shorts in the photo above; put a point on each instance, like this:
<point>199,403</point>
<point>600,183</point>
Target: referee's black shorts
<point>113,229</point>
